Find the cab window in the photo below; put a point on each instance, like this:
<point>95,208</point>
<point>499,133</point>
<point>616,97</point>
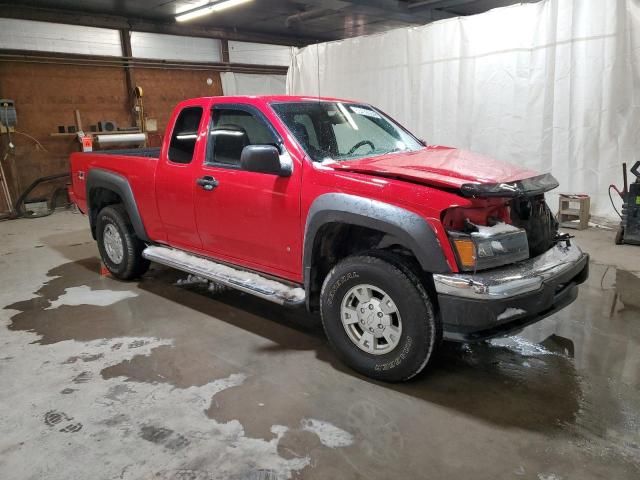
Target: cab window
<point>231,130</point>
<point>185,134</point>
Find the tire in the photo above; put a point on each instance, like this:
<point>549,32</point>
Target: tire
<point>344,290</point>
<point>120,249</point>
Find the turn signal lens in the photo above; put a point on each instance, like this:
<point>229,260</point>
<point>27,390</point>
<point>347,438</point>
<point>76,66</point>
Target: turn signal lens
<point>466,252</point>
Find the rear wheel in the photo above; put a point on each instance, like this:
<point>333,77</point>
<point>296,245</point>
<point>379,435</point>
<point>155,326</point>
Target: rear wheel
<point>378,317</point>
<point>120,249</point>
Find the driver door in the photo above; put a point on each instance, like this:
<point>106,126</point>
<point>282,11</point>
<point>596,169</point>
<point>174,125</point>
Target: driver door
<point>247,218</point>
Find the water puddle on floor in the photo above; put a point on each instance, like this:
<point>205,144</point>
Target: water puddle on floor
<point>570,383</point>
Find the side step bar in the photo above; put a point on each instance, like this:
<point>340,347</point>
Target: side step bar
<point>248,282</point>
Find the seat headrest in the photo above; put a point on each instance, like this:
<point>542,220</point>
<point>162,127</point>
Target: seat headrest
<point>229,141</point>
<point>301,133</point>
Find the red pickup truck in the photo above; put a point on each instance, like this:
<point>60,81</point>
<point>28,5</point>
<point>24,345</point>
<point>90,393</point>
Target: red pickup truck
<point>332,204</point>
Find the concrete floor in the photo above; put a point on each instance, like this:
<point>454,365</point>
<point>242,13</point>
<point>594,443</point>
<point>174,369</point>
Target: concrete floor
<point>104,379</point>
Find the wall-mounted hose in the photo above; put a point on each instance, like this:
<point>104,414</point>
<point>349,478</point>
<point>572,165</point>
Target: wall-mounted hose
<point>611,198</point>
<point>51,203</point>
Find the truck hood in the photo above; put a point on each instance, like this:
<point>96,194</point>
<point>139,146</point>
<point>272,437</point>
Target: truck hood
<point>438,166</point>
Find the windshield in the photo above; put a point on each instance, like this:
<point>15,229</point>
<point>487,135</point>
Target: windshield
<point>343,131</point>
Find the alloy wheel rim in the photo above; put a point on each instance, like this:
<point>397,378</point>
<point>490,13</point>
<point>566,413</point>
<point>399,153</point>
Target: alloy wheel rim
<point>113,243</point>
<point>371,319</point>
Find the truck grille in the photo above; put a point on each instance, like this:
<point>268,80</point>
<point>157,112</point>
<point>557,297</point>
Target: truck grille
<point>534,216</point>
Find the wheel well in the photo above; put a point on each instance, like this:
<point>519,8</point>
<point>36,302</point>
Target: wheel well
<point>99,198</point>
<point>335,241</point>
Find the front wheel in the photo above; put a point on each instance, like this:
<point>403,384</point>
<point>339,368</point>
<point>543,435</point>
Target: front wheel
<point>378,317</point>
<point>120,249</point>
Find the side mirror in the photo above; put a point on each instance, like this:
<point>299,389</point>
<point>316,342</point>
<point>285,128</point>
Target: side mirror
<point>264,159</point>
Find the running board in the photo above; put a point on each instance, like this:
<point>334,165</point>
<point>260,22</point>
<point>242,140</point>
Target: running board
<point>248,282</point>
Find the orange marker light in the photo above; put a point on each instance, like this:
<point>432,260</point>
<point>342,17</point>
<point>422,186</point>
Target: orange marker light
<point>466,252</point>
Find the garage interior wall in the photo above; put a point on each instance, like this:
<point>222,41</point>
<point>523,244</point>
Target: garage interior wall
<point>554,86</point>
<point>252,84</point>
<point>47,94</point>
<point>256,53</point>
<point>57,37</point>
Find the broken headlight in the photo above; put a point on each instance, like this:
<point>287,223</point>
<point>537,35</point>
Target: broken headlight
<point>489,247</point>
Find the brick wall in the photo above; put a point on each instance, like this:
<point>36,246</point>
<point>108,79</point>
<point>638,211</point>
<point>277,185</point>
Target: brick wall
<point>47,95</point>
<point>162,89</point>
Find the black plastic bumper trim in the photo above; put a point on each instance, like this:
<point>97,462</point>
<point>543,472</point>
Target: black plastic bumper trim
<point>471,320</point>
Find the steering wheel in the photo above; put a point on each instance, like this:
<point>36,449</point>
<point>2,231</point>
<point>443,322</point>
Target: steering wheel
<point>360,144</point>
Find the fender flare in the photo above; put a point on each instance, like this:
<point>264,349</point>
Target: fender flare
<point>408,227</point>
<point>99,178</point>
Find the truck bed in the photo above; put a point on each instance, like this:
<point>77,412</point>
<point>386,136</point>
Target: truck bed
<point>153,152</point>
<point>137,165</point>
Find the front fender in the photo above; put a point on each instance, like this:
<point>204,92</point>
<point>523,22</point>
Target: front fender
<point>408,227</point>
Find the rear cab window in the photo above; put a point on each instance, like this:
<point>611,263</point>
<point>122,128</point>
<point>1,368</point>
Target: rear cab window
<point>185,134</point>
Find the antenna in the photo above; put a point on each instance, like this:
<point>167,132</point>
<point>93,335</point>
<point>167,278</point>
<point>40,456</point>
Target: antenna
<point>318,70</point>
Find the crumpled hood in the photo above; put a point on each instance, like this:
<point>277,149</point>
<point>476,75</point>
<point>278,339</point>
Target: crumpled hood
<point>438,166</point>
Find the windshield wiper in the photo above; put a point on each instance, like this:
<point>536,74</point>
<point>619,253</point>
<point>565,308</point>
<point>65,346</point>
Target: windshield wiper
<point>370,154</point>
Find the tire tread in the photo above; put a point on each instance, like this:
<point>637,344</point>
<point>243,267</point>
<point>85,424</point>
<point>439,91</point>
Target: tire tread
<point>400,268</point>
<point>136,265</point>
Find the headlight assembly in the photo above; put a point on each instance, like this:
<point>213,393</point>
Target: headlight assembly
<point>490,247</point>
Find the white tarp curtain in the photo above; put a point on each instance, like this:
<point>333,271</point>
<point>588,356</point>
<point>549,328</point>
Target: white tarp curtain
<point>252,84</point>
<point>554,86</point>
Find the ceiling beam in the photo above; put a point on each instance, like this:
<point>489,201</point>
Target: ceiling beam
<point>441,4</point>
<point>400,11</point>
<point>142,25</point>
<point>81,60</point>
<point>389,9</point>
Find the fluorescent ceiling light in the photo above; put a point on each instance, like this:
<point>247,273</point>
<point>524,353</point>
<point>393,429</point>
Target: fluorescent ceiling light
<point>208,8</point>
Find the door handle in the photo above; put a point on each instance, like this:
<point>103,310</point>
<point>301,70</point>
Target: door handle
<point>207,183</point>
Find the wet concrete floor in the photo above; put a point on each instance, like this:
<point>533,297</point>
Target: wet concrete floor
<point>151,379</point>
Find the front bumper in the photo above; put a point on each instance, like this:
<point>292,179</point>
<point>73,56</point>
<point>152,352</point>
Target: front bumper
<point>504,300</point>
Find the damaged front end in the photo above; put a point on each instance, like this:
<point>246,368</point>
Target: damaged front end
<point>515,267</point>
<point>480,305</point>
<point>526,187</point>
<point>484,247</point>
<point>506,223</point>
